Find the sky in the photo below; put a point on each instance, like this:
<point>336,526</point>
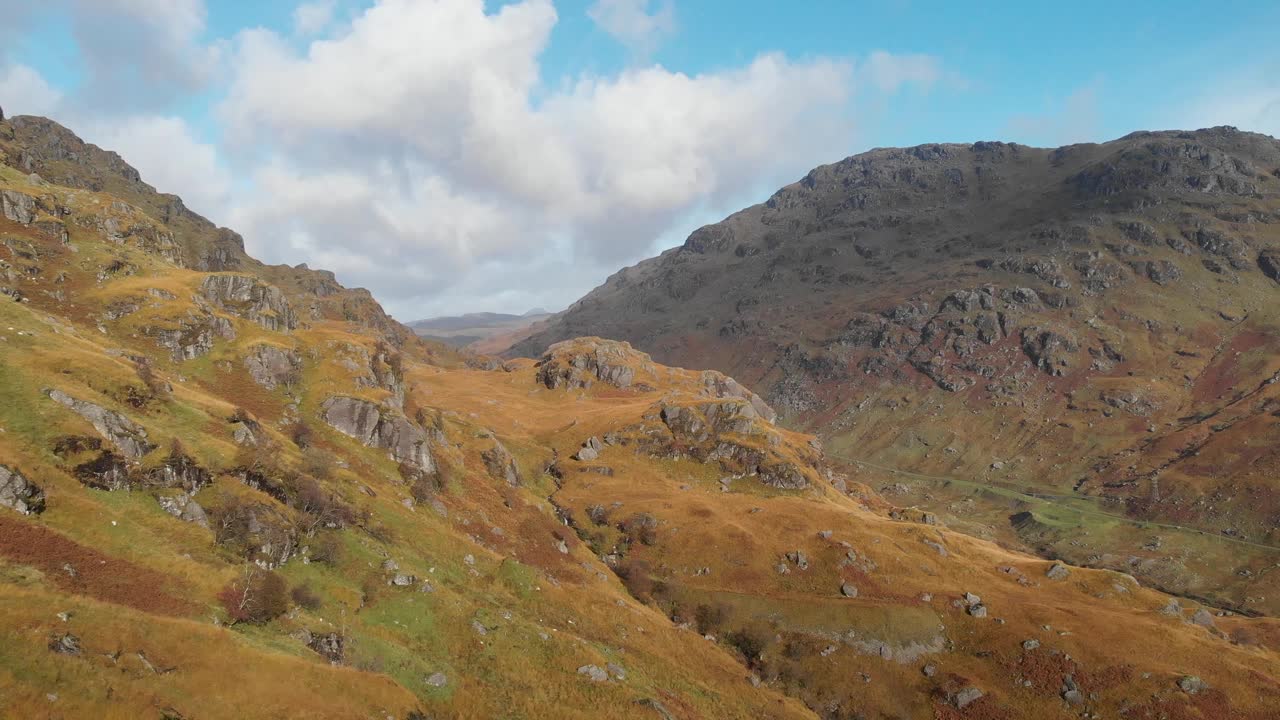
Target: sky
<point>462,156</point>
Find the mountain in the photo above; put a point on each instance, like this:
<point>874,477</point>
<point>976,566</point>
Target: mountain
<point>474,328</point>
<point>234,490</point>
<point>1069,350</point>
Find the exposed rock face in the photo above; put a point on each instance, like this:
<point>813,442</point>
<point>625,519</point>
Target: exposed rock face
<point>17,207</point>
<point>501,464</point>
<point>182,506</point>
<point>65,644</point>
<point>18,493</point>
<point>1051,351</point>
<point>366,422</point>
<point>1269,263</point>
<point>125,434</point>
<point>247,431</point>
<point>271,366</point>
<point>722,386</point>
<point>108,471</point>
<point>580,363</point>
<point>732,433</point>
<point>248,297</point>
<point>179,471</point>
<point>330,646</point>
<point>194,335</point>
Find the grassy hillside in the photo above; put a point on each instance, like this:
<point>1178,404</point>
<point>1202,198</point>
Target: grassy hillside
<point>246,492</point>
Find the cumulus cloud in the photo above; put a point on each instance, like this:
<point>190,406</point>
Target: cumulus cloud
<point>169,156</point>
<point>23,91</point>
<point>311,18</point>
<point>419,149</point>
<point>140,54</point>
<point>888,72</point>
<point>1253,105</point>
<point>1073,119</point>
<point>638,24</point>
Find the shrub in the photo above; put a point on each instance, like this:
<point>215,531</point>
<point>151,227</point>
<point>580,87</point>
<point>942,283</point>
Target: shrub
<point>709,617</point>
<point>640,527</point>
<point>304,597</point>
<point>598,514</point>
<point>257,596</point>
<point>326,548</point>
<point>423,486</point>
<point>751,640</point>
<point>637,577</point>
<point>301,435</point>
<point>319,507</point>
<point>318,463</point>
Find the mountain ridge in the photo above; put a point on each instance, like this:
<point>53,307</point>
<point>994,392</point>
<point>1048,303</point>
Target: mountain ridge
<point>983,311</point>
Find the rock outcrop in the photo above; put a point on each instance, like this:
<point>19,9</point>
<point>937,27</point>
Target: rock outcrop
<point>179,471</point>
<point>732,433</point>
<point>248,297</point>
<point>194,335</point>
<point>272,366</point>
<point>578,364</point>
<point>500,464</point>
<point>20,494</point>
<point>184,507</point>
<point>125,434</point>
<point>1269,263</point>
<point>719,385</point>
<point>404,441</point>
<point>17,207</point>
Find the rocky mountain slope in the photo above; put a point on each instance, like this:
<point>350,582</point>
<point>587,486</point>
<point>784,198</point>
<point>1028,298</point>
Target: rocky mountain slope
<point>230,490</point>
<point>1072,350</point>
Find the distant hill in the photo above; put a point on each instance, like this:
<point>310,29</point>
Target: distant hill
<point>464,330</point>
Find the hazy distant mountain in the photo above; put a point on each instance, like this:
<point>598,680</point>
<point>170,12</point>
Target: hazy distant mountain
<point>463,330</point>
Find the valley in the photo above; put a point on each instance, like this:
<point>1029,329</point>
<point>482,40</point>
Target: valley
<point>230,489</point>
<point>1072,351</point>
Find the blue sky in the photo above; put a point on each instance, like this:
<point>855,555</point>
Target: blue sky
<point>456,156</point>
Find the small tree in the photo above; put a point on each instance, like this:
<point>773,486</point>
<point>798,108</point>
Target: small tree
<point>256,597</point>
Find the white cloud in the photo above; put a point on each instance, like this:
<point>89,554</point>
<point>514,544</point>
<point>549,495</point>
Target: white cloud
<point>888,72</point>
<point>140,54</point>
<point>169,157</point>
<point>24,92</point>
<point>635,23</point>
<point>1251,106</point>
<point>1073,119</point>
<point>311,18</point>
<point>416,147</point>
<point>420,152</point>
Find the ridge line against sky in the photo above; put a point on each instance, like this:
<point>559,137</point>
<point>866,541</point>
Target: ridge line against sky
<point>457,156</point>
